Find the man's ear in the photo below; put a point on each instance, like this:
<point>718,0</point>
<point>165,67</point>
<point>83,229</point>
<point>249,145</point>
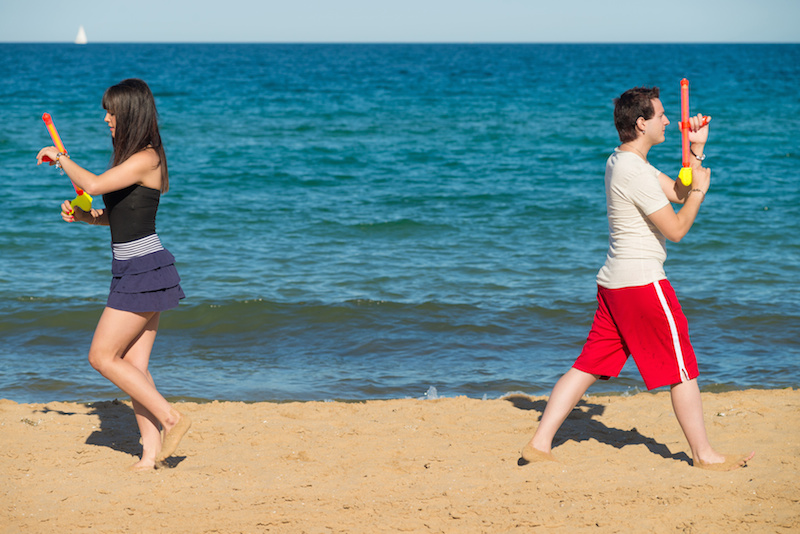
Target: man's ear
<point>641,125</point>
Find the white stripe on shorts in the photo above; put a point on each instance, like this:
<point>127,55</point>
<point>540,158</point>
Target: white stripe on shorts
<point>676,343</point>
<point>139,247</point>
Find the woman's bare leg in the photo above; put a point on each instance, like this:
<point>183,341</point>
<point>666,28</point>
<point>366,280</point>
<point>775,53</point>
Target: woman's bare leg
<point>117,331</point>
<point>138,354</point>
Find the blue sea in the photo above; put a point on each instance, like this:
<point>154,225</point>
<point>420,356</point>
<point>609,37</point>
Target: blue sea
<point>389,221</point>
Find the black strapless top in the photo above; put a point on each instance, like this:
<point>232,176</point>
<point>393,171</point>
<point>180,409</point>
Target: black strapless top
<point>132,212</point>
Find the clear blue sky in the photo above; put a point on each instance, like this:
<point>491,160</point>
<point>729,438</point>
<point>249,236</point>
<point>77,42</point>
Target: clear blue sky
<point>401,20</point>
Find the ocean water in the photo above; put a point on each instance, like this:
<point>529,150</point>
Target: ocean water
<point>370,221</point>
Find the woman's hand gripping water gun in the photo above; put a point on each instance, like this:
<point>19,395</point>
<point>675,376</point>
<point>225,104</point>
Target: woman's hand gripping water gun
<point>83,200</point>
<point>688,127</point>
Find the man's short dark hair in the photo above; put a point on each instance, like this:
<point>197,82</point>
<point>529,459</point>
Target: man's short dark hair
<point>632,104</point>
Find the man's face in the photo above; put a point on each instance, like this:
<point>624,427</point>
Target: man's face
<point>655,126</point>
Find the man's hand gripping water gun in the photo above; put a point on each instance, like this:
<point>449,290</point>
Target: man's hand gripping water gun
<point>83,200</point>
<point>685,126</point>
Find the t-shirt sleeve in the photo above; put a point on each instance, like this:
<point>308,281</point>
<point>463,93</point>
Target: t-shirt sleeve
<point>646,193</point>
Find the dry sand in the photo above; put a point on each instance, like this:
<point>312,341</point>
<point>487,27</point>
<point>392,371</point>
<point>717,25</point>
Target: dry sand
<point>447,465</point>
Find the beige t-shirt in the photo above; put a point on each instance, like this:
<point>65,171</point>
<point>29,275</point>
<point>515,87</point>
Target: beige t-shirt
<point>636,248</point>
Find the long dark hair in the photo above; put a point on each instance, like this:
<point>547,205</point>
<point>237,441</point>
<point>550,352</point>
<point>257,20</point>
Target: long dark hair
<point>134,107</point>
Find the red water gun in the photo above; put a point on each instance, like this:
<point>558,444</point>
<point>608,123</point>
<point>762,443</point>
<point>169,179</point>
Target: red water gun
<point>685,175</point>
<point>83,200</point>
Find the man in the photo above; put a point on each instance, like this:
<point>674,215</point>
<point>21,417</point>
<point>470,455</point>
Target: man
<point>638,313</point>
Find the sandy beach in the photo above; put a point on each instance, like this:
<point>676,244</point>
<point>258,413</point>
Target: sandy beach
<point>446,465</point>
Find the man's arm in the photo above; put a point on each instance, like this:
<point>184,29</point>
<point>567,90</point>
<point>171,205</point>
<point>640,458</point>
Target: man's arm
<point>674,189</point>
<point>676,225</point>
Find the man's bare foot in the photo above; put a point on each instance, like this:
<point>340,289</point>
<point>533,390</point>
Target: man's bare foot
<point>173,435</point>
<point>729,463</point>
<point>531,454</point>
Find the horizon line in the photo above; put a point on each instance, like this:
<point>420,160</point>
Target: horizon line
<point>417,42</point>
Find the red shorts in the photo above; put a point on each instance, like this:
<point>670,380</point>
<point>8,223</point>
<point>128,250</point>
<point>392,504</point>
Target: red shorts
<point>646,322</point>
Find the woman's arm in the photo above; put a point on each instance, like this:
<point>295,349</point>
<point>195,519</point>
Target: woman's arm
<point>138,169</point>
<point>94,217</point>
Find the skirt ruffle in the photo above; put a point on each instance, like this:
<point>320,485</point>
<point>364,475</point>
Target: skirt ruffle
<point>145,283</point>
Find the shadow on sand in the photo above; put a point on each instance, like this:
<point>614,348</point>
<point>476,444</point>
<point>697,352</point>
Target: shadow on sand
<point>117,429</point>
<point>581,426</point>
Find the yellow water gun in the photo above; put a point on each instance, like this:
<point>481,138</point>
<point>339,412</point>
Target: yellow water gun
<point>83,200</point>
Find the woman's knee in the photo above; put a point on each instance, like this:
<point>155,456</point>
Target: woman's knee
<point>99,360</point>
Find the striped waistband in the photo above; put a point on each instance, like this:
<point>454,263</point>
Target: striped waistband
<point>134,249</point>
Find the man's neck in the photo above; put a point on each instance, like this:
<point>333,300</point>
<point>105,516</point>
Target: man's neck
<point>639,147</point>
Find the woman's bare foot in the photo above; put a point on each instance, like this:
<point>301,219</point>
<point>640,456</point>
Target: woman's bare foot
<point>729,462</point>
<point>143,466</point>
<point>173,434</point>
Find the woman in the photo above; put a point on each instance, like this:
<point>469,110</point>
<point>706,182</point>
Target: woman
<point>145,281</point>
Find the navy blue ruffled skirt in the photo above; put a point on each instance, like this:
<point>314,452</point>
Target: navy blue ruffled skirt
<point>148,283</point>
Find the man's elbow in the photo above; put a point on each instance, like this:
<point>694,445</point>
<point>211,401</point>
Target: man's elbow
<point>675,237</point>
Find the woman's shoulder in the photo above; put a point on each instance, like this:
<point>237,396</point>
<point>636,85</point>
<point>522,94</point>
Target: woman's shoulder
<point>146,156</point>
<point>147,165</point>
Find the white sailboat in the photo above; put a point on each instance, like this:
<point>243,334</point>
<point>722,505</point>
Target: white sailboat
<point>81,37</point>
